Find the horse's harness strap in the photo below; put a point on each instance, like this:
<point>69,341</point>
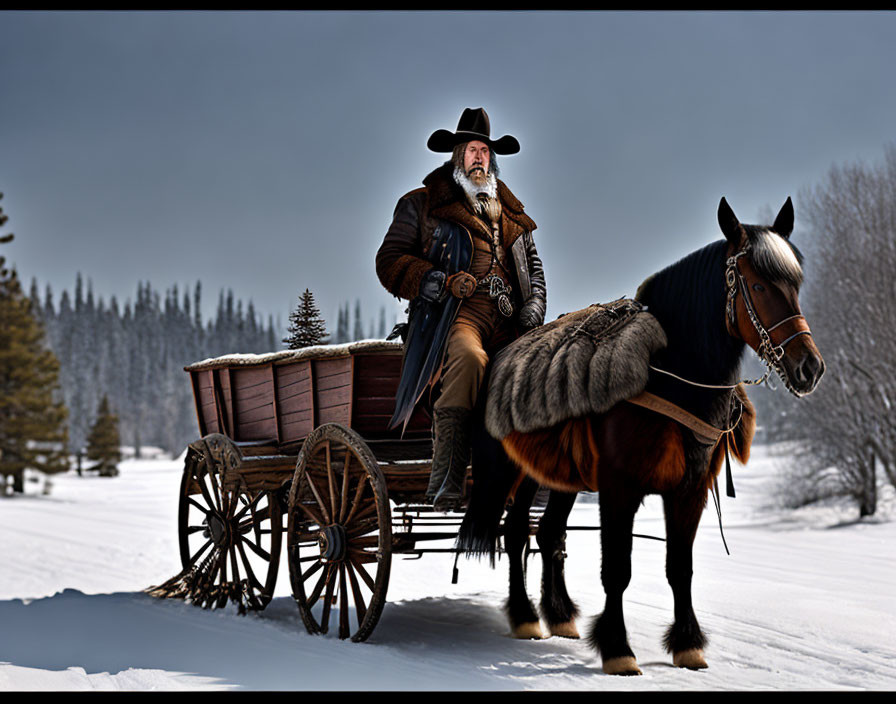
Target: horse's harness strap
<point>705,432</point>
<point>769,350</point>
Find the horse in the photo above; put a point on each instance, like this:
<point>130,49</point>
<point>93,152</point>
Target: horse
<point>738,291</point>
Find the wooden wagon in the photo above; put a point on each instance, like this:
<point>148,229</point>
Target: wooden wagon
<point>297,442</point>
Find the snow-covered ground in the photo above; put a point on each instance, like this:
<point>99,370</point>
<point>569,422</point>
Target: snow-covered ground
<point>805,601</point>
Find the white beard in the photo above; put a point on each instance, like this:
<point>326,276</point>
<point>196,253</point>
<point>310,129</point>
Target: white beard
<point>473,189</point>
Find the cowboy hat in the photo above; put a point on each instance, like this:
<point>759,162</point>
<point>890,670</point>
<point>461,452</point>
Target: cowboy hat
<point>473,125</point>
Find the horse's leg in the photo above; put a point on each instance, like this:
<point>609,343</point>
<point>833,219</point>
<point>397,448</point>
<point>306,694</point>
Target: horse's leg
<point>684,639</point>
<point>618,505</point>
<point>521,613</point>
<point>557,608</point>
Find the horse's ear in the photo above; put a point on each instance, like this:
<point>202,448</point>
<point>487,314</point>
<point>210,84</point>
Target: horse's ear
<point>729,223</point>
<point>784,222</point>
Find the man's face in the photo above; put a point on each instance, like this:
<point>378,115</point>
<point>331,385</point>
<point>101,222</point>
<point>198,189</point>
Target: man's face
<point>476,158</point>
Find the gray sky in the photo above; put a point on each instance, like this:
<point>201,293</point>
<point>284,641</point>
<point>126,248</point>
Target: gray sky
<point>265,152</point>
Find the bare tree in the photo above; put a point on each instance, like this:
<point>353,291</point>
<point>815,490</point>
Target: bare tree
<point>846,430</point>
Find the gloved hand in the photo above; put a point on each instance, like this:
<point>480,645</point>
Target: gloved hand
<point>530,316</point>
<point>432,286</point>
<point>461,284</point>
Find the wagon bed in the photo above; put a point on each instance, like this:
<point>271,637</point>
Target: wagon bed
<point>280,397</point>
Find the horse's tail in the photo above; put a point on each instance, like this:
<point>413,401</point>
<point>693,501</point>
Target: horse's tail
<point>494,477</point>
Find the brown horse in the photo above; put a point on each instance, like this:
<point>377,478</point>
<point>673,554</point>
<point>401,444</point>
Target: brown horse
<point>739,291</point>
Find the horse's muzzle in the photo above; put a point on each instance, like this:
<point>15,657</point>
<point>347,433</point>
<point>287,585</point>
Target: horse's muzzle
<point>806,371</point>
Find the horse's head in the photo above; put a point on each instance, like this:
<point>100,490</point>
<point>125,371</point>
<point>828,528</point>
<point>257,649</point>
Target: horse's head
<point>763,276</point>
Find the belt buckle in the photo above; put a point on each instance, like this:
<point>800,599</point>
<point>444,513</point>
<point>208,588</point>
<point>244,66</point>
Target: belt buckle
<point>498,291</point>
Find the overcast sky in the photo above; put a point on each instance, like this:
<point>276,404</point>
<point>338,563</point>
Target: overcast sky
<point>265,152</point>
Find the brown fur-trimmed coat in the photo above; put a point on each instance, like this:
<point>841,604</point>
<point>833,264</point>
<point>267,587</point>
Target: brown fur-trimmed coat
<point>403,257</point>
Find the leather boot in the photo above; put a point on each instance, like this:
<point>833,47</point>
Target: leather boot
<point>450,457</point>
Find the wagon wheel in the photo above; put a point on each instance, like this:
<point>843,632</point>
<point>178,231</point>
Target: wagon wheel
<point>229,537</point>
<point>339,533</point>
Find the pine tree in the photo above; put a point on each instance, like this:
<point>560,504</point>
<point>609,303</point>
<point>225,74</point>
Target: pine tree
<point>306,326</point>
<point>359,328</point>
<point>33,432</point>
<point>103,442</point>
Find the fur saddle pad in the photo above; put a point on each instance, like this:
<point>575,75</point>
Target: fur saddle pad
<point>583,362</point>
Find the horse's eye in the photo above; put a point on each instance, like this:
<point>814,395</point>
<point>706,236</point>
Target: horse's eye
<point>758,287</point>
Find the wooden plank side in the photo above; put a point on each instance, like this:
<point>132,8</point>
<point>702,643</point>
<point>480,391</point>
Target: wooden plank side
<point>194,382</point>
<point>332,390</point>
<point>253,395</point>
<point>276,410</point>
<point>293,430</point>
<point>227,413</point>
<point>375,385</point>
<point>298,402</point>
<point>205,399</point>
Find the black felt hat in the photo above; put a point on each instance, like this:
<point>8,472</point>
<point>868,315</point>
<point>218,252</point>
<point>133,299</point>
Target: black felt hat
<point>473,125</point>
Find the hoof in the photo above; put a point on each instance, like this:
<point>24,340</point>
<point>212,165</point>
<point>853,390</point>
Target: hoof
<point>528,631</point>
<point>564,630</point>
<point>691,659</point>
<point>626,665</point>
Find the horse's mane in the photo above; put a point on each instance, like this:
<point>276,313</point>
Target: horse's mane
<point>688,299</point>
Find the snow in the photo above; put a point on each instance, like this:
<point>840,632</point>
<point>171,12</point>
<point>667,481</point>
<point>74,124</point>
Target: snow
<point>805,601</point>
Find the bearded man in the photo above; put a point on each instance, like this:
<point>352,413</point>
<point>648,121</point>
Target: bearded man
<point>461,250</point>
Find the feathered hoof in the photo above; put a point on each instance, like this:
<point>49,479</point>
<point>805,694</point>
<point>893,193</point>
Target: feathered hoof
<point>528,631</point>
<point>564,630</point>
<point>625,665</point>
<point>691,659</point>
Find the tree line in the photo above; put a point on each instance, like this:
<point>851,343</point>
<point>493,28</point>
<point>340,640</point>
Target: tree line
<point>135,354</point>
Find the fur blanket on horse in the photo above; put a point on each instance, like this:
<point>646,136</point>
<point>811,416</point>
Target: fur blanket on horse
<point>584,362</point>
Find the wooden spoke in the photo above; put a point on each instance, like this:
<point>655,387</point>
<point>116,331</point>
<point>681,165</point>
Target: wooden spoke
<point>314,516</point>
<point>233,566</point>
<point>317,497</point>
<point>331,481</point>
<point>216,491</point>
<point>195,557</point>
<point>328,599</point>
<point>368,541</point>
<point>190,500</point>
<point>356,502</point>
<point>261,552</point>
<point>360,556</point>
<point>362,527</point>
<point>307,558</point>
<point>319,587</point>
<point>369,510</point>
<point>212,503</point>
<point>311,570</point>
<point>359,568</point>
<point>343,603</point>
<point>343,507</point>
<point>250,574</point>
<point>250,506</point>
<point>360,605</point>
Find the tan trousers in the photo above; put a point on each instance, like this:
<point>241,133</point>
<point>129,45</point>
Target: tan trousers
<point>478,332</point>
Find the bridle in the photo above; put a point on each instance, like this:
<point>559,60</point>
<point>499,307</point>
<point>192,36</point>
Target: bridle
<point>768,350</point>
<point>773,339</point>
